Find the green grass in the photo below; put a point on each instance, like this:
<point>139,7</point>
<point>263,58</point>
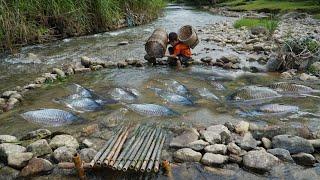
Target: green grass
<point>269,24</point>
<point>311,6</point>
<point>317,16</point>
<point>24,22</point>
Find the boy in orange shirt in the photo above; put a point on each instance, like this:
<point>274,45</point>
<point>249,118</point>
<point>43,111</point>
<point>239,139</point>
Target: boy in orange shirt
<point>179,53</point>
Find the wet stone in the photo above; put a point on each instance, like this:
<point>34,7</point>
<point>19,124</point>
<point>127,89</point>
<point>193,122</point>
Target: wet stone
<point>81,70</point>
<point>59,72</point>
<point>230,126</point>
<point>32,86</point>
<point>7,148</point>
<point>87,154</point>
<point>87,143</point>
<point>7,139</point>
<point>96,67</point>
<point>304,159</point>
<point>282,154</point>
<point>16,96</point>
<point>247,142</point>
<point>187,155</point>
<point>266,143</point>
<point>86,61</point>
<point>8,173</point>
<point>185,138</point>
<point>235,158</point>
<point>210,136</point>
<point>122,64</point>
<point>315,143</point>
<point>19,160</point>
<point>216,149</point>
<point>233,148</point>
<point>260,161</point>
<point>39,133</point>
<point>230,58</point>
<point>36,166</point>
<point>213,159</point>
<point>7,94</point>
<point>2,102</point>
<point>198,145</point>
<point>64,154</point>
<point>206,59</point>
<point>242,127</point>
<point>63,140</point>
<point>39,148</point>
<point>294,144</point>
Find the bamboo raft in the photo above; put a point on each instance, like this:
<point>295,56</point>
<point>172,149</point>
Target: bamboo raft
<point>140,152</point>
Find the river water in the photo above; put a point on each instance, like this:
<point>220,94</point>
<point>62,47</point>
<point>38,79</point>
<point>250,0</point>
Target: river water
<point>18,70</point>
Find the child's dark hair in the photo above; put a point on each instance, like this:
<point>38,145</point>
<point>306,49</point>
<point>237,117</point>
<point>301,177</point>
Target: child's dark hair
<point>173,37</point>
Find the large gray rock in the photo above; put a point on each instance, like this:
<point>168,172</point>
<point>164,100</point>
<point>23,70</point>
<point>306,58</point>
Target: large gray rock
<point>63,140</point>
<point>247,142</point>
<point>210,136</point>
<point>294,144</point>
<point>7,139</point>
<point>39,148</point>
<point>187,155</point>
<point>282,154</point>
<point>216,149</point>
<point>304,159</point>
<point>8,173</point>
<point>39,133</point>
<point>7,94</point>
<point>19,160</point>
<point>185,138</point>
<point>260,160</point>
<point>223,131</point>
<point>87,154</point>
<point>7,148</point>
<point>36,166</point>
<point>271,131</point>
<point>64,154</point>
<point>59,72</point>
<point>213,159</point>
<point>266,143</point>
<point>198,145</point>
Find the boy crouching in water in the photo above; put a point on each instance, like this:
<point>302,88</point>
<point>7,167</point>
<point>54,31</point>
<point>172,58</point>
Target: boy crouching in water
<point>179,53</point>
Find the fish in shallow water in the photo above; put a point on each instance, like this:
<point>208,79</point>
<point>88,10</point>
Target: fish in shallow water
<point>79,91</point>
<point>292,88</point>
<point>124,94</point>
<point>151,110</point>
<point>172,97</point>
<point>217,73</point>
<point>51,117</point>
<point>205,93</point>
<point>278,108</point>
<point>176,87</point>
<point>83,104</point>
<point>253,94</point>
<point>218,86</point>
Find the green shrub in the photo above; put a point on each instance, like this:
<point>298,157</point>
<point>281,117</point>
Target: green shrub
<point>270,24</point>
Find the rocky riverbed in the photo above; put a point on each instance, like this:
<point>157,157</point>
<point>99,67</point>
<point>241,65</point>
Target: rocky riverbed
<point>209,139</point>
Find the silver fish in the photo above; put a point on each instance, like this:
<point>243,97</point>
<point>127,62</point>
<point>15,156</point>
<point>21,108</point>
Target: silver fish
<point>83,104</point>
<point>151,110</point>
<point>278,108</point>
<point>217,73</point>
<point>253,94</point>
<point>205,93</point>
<point>217,85</point>
<point>176,87</point>
<point>292,88</point>
<point>172,97</point>
<point>124,94</point>
<point>50,117</point>
<point>80,91</point>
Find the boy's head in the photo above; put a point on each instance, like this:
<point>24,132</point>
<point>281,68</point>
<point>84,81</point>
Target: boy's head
<point>173,38</point>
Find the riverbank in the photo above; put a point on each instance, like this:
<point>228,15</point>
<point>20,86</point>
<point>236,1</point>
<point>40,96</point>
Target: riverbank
<point>32,22</point>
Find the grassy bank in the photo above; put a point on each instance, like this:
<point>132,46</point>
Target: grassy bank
<point>24,22</point>
<point>276,6</point>
<point>269,24</point>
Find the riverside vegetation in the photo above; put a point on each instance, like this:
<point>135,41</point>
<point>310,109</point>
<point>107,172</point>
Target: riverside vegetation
<point>25,22</point>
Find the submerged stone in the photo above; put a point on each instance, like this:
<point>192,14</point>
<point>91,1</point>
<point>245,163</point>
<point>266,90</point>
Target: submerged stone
<point>294,144</point>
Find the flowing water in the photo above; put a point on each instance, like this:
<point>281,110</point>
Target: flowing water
<point>16,70</point>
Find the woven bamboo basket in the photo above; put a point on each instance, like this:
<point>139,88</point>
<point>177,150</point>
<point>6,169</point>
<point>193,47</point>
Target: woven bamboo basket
<point>156,45</point>
<point>187,34</point>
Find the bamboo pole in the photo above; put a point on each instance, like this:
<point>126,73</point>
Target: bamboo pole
<point>134,151</point>
<point>157,162</point>
<point>126,157</point>
<point>113,148</point>
<point>78,164</point>
<point>153,156</point>
<point>123,153</point>
<point>146,159</point>
<point>70,165</point>
<point>143,155</point>
<point>143,146</point>
<point>117,151</point>
<point>106,152</point>
<point>100,152</point>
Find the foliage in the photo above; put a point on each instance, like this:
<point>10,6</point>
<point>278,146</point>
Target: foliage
<point>270,24</point>
<point>35,21</point>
